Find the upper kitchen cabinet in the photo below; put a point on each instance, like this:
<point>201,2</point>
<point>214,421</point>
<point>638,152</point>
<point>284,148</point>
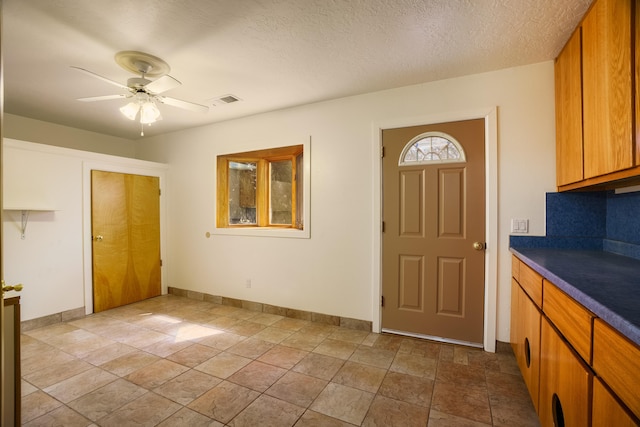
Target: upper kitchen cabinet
<point>594,74</point>
<point>568,76</point>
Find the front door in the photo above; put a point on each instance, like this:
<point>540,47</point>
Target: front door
<point>434,231</point>
<point>125,228</point>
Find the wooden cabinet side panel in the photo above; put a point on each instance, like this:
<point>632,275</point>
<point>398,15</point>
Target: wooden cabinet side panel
<point>606,410</point>
<point>515,267</point>
<point>617,361</point>
<point>531,282</point>
<point>562,373</point>
<point>571,319</point>
<point>607,95</point>
<point>568,96</point>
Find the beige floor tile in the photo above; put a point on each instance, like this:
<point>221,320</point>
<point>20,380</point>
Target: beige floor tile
<point>336,348</point>
<point>156,374</point>
<point>463,375</point>
<point>319,366</point>
<point>251,348</point>
<point>51,356</point>
<point>291,324</point>
<point>186,417</point>
<point>127,363</point>
<point>349,335</point>
<point>377,357</point>
<point>246,328</point>
<point>191,332</point>
<point>36,404</point>
<point>193,355</point>
<point>62,416</point>
<point>79,385</point>
<point>462,400</point>
<point>223,365</point>
<point>303,341</point>
<point>224,401</point>
<point>141,338</point>
<point>342,402</point>
<point>167,347</point>
<point>103,401</point>
<point>413,364</point>
<point>273,335</point>
<point>267,411</point>
<point>388,412</point>
<point>222,340</point>
<point>26,388</point>
<point>149,409</point>
<point>187,387</point>
<point>299,389</point>
<point>266,318</point>
<point>510,412</point>
<point>407,388</point>
<point>362,377</point>
<point>441,419</point>
<point>108,353</point>
<point>257,376</point>
<point>316,419</point>
<point>282,356</point>
<point>53,373</point>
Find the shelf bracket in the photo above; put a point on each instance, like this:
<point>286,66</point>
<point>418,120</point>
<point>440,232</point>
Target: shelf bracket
<point>24,221</point>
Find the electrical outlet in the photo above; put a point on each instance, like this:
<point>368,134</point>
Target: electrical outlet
<point>247,283</point>
<point>520,226</point>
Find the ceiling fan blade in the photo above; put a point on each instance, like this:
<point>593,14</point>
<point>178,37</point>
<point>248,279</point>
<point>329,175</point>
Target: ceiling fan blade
<point>162,84</point>
<point>183,104</point>
<point>102,98</point>
<point>104,79</point>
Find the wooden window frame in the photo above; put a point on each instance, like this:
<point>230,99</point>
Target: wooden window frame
<point>263,159</point>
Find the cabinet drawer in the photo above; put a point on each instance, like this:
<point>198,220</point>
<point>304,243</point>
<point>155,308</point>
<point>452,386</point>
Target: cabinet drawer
<point>617,361</point>
<point>571,319</point>
<point>607,410</point>
<point>515,268</point>
<point>531,282</point>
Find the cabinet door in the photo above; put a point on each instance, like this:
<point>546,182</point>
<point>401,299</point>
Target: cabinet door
<point>606,81</point>
<point>525,338</point>
<point>565,382</point>
<point>568,79</point>
<point>607,410</point>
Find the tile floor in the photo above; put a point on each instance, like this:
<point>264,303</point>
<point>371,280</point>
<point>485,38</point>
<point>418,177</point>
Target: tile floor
<point>173,361</point>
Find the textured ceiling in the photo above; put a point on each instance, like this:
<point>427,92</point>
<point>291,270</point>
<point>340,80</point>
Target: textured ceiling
<point>272,54</point>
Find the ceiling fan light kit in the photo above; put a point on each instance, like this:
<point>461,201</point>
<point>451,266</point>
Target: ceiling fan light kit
<point>144,91</point>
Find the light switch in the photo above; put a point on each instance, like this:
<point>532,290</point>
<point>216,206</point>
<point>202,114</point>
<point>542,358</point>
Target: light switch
<point>519,226</point>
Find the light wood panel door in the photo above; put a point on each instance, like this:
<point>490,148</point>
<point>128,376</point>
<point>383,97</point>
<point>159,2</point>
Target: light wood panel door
<point>434,213</point>
<point>568,79</point>
<point>125,214</point>
<point>607,410</point>
<point>607,88</point>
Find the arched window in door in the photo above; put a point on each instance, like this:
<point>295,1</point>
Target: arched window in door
<point>432,147</point>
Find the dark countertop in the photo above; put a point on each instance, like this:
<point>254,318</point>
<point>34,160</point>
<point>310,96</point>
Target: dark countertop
<point>606,284</point>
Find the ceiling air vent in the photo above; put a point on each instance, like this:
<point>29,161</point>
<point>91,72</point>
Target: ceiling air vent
<point>224,99</point>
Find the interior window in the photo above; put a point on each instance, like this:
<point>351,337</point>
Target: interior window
<point>432,147</point>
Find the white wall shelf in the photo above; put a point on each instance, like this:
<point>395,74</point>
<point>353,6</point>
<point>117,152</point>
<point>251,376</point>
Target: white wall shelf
<point>25,216</point>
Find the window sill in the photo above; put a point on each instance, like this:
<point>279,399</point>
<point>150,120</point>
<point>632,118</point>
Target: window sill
<point>292,233</point>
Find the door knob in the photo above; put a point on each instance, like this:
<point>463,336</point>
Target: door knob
<point>98,238</point>
<point>479,246</point>
<point>6,288</point>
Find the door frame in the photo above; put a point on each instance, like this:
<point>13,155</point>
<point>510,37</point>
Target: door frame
<point>490,116</point>
<point>136,167</point>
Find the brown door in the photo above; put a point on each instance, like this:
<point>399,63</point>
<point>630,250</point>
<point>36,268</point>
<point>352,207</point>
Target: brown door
<point>433,240</point>
<point>125,215</point>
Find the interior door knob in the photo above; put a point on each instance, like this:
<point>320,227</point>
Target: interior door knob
<point>98,238</point>
<point>479,246</point>
<point>6,288</point>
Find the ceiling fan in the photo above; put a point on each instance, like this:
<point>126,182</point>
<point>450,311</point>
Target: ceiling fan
<point>143,92</point>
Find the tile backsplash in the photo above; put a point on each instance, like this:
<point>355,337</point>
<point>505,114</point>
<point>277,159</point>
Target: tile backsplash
<point>590,220</point>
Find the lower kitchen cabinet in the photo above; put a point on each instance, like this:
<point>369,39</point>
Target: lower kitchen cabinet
<point>607,411</point>
<point>565,382</point>
<point>525,338</point>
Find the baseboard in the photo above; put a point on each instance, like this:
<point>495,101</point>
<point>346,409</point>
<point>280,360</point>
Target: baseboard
<point>52,319</point>
<point>345,322</point>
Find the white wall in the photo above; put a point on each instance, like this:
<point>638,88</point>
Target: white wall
<point>25,129</point>
<point>53,261</point>
<point>333,271</point>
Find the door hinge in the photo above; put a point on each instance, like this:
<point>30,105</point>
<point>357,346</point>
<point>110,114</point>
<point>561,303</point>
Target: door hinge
<point>160,263</point>
<point>382,301</point>
<point>381,152</point>
<point>159,192</point>
<point>383,226</point>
